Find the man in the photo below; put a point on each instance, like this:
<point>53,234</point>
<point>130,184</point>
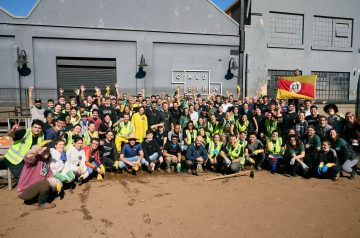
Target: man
<point>313,118</point>
<point>172,154</point>
<point>312,144</point>
<point>233,155</point>
<point>227,127</point>
<point>152,151</point>
<point>176,112</point>
<point>55,132</point>
<point>176,131</point>
<point>194,115</point>
<point>95,118</point>
<point>152,114</point>
<point>132,155</point>
<point>214,148</point>
<point>213,126</point>
<point>290,117</point>
<point>23,139</point>
<point>307,107</point>
<point>255,150</point>
<point>196,155</point>
<point>165,116</point>
<point>226,105</point>
<point>275,151</point>
<point>123,129</point>
<point>35,108</point>
<point>107,108</point>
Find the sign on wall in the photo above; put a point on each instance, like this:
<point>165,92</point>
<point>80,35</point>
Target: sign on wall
<point>197,80</point>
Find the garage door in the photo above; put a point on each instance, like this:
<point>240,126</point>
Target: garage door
<point>71,73</point>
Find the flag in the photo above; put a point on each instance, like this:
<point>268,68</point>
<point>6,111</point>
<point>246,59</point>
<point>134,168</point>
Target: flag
<point>297,87</point>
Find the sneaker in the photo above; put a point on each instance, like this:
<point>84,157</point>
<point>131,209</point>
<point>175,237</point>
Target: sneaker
<point>293,174</point>
<point>178,168</point>
<point>168,170</point>
<point>46,206</point>
<point>194,172</point>
<point>80,181</point>
<point>292,161</point>
<point>353,175</point>
<point>336,177</point>
<point>199,168</point>
<point>189,171</point>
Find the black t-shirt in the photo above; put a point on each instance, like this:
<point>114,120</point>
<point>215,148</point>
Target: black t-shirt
<point>173,150</point>
<point>103,110</point>
<point>290,119</point>
<point>220,117</point>
<point>159,137</point>
<point>103,128</point>
<point>21,133</point>
<point>108,151</point>
<point>312,121</point>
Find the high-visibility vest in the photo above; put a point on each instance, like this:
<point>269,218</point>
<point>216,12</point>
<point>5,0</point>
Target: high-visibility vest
<point>242,127</point>
<point>212,148</point>
<point>188,135</point>
<point>236,152</point>
<point>125,130</point>
<point>274,149</point>
<point>19,148</point>
<point>213,129</point>
<point>270,127</point>
<point>69,140</point>
<point>88,138</point>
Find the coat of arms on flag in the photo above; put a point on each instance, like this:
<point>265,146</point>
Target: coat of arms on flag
<point>297,87</point>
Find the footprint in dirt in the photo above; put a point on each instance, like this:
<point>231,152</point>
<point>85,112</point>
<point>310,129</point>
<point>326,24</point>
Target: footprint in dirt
<point>107,222</point>
<point>147,218</point>
<point>24,214</point>
<point>62,212</point>
<point>148,235</point>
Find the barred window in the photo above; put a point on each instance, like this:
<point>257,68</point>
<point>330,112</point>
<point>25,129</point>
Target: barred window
<point>332,85</point>
<point>332,32</point>
<point>272,85</point>
<point>286,28</point>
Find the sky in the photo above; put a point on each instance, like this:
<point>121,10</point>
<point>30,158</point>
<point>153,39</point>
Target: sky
<point>23,7</point>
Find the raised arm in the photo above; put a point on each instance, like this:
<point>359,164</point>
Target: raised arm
<point>31,89</point>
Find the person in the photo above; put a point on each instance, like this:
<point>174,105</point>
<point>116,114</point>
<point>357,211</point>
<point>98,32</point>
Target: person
<point>57,163</point>
<point>132,155</point>
<point>294,155</point>
<point>233,155</point>
<point>74,116</point>
<point>36,179</point>
<point>301,125</point>
<point>196,156</point>
<point>108,152</point>
<point>95,119</point>
<point>312,145</point>
<point>275,151</point>
<point>56,131</point>
<point>69,135</point>
<point>313,118</point>
<point>351,131</point>
<point>152,151</point>
<point>93,162</point>
<point>91,133</point>
<point>255,150</point>
<point>213,126</point>
<point>123,129</point>
<point>347,157</point>
<point>36,110</point>
<point>243,124</point>
<point>323,128</point>
<point>160,136</point>
<point>176,131</point>
<point>334,119</point>
<point>172,154</point>
<point>190,134</point>
<point>214,148</point>
<point>165,117</point>
<point>49,120</point>
<point>140,124</point>
<point>75,158</point>
<point>105,126</point>
<point>84,123</point>
<point>184,118</point>
<point>152,114</point>
<point>107,109</point>
<point>24,140</point>
<point>328,162</point>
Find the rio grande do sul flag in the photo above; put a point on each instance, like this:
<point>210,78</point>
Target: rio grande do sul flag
<point>297,87</point>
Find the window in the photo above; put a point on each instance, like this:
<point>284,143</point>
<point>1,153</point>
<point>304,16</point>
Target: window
<point>286,28</point>
<point>332,85</point>
<point>272,86</point>
<point>332,32</point>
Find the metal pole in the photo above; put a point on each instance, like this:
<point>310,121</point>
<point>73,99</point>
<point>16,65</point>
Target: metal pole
<point>241,48</point>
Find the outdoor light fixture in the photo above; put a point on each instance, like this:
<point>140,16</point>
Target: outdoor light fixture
<point>141,73</point>
<point>22,63</point>
<point>232,66</point>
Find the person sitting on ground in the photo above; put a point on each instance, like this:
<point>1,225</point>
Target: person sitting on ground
<point>36,180</point>
<point>233,155</point>
<point>23,139</point>
<point>294,155</point>
<point>57,164</point>
<point>75,158</point>
<point>108,152</point>
<point>132,155</point>
<point>172,154</point>
<point>152,151</point>
<point>255,150</point>
<point>190,134</point>
<point>312,145</point>
<point>328,162</point>
<point>196,156</point>
<point>93,162</point>
<point>275,151</point>
<point>213,148</point>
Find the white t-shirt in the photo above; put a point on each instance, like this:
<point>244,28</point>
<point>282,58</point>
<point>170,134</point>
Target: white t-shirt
<point>37,113</point>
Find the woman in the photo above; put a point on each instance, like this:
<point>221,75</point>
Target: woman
<point>108,152</point>
<point>329,164</point>
<point>190,134</point>
<point>159,134</point>
<point>243,124</point>
<point>74,116</point>
<point>36,178</point>
<point>105,126</point>
<point>235,114</point>
<point>351,131</point>
<point>254,126</point>
<point>91,133</point>
<point>140,123</point>
<point>93,162</point>
<point>58,111</point>
<point>75,158</point>
<point>294,154</point>
<point>57,164</point>
<point>185,118</point>
<point>49,120</point>
<point>201,123</point>
<point>347,157</point>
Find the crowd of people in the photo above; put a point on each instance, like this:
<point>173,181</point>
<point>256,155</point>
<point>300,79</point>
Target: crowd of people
<point>83,136</point>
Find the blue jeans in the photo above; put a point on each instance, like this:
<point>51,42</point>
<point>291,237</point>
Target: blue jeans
<point>154,157</point>
<point>90,170</point>
<point>133,159</point>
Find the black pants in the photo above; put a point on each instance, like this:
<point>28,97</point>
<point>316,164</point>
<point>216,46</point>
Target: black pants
<point>39,190</point>
<point>15,169</point>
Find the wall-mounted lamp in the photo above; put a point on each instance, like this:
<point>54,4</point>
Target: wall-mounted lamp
<point>232,66</point>
<point>22,63</point>
<point>141,73</point>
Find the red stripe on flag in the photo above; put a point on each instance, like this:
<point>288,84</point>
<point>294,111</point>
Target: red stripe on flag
<point>306,89</point>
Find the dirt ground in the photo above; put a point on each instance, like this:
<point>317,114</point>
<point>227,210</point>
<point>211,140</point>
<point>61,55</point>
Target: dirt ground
<point>182,205</point>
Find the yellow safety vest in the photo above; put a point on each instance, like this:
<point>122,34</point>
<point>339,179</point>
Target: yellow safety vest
<point>88,138</point>
<point>188,135</point>
<point>242,127</point>
<point>125,130</point>
<point>212,147</point>
<point>69,140</point>
<point>19,148</point>
<point>277,149</point>
<point>236,152</point>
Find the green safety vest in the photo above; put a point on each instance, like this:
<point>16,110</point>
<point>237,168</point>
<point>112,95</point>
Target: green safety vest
<point>213,129</point>
<point>69,140</point>
<point>270,127</point>
<point>88,138</point>
<point>274,149</point>
<point>19,148</point>
<point>188,135</point>
<point>212,147</point>
<point>236,152</point>
<point>124,130</point>
<point>242,127</point>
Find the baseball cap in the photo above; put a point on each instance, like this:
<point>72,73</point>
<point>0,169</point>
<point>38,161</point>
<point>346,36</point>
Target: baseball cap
<point>37,100</point>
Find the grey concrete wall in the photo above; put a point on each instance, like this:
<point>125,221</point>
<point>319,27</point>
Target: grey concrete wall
<point>263,58</point>
<point>124,30</point>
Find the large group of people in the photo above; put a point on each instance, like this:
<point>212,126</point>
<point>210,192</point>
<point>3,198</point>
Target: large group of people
<point>76,138</point>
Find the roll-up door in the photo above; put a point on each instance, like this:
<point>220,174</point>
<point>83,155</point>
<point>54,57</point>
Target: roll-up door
<point>92,73</point>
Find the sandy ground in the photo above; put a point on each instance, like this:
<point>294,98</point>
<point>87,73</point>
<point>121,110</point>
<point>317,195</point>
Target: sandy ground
<point>181,205</point>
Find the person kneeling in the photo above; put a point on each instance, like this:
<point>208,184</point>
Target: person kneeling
<point>152,151</point>
<point>196,156</point>
<point>329,163</point>
<point>214,148</point>
<point>132,155</point>
<point>233,155</point>
<point>172,154</point>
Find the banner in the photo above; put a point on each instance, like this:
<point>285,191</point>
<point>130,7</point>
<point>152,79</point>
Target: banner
<point>297,87</point>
